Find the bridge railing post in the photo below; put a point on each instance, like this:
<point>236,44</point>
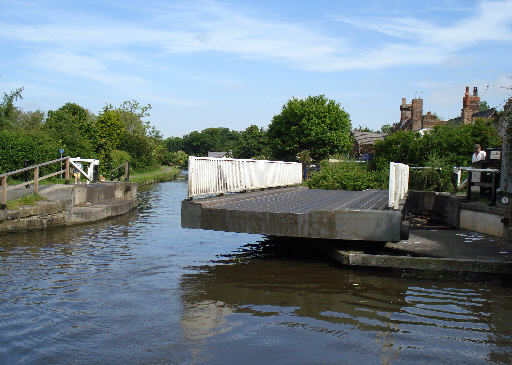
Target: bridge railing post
<point>4,193</point>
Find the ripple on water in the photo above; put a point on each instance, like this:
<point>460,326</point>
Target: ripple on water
<point>139,288</point>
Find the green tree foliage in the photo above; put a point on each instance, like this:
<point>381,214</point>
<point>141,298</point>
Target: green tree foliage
<point>139,138</point>
<point>8,111</point>
<point>452,143</point>
<point>386,128</point>
<point>437,177</point>
<point>178,158</point>
<point>74,127</point>
<point>30,120</point>
<point>210,139</point>
<point>109,130</point>
<point>315,123</point>
<point>253,142</point>
<point>174,144</point>
<point>483,106</point>
<point>33,146</point>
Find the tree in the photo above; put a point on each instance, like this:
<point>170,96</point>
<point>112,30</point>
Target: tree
<point>210,139</point>
<point>109,130</point>
<point>483,106</point>
<point>174,144</point>
<point>7,109</point>
<point>253,143</point>
<point>315,123</point>
<point>74,127</point>
<point>386,128</point>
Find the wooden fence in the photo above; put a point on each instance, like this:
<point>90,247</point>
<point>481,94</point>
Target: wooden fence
<point>35,181</point>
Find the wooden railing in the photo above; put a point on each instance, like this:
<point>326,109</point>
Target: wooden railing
<point>121,170</point>
<point>35,181</point>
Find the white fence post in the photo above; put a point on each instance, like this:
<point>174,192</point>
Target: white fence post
<point>398,183</point>
<point>209,176</point>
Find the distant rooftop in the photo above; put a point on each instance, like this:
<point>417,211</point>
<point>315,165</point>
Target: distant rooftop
<point>217,154</point>
<point>367,138</point>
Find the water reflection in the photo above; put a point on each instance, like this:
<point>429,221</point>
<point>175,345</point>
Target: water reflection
<point>333,315</point>
<point>141,289</point>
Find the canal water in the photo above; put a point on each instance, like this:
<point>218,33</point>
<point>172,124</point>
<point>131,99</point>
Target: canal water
<point>140,289</point>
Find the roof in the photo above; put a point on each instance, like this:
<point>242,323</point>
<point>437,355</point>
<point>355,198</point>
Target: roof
<point>217,154</point>
<point>485,113</point>
<point>367,138</point>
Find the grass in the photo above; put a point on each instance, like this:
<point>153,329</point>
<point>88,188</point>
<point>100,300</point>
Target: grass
<point>163,173</point>
<point>30,200</point>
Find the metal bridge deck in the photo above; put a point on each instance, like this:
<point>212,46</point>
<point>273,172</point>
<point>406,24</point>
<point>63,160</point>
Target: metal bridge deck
<point>301,201</point>
<point>298,212</point>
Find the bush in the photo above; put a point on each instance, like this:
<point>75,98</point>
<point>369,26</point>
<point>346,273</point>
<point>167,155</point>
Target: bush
<point>437,177</point>
<point>346,176</point>
<point>35,147</point>
<point>178,158</point>
<point>120,157</point>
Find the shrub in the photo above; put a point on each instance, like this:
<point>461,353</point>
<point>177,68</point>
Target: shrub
<point>34,146</point>
<point>436,177</point>
<point>346,176</point>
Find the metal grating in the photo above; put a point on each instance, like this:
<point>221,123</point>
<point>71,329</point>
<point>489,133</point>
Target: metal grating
<point>302,201</point>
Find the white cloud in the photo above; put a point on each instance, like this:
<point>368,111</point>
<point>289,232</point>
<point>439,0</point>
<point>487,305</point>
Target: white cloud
<point>210,27</point>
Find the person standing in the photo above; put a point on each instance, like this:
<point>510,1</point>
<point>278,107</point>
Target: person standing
<point>478,155</point>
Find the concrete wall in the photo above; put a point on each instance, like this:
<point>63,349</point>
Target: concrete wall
<point>72,204</point>
<point>456,212</point>
<point>481,222</point>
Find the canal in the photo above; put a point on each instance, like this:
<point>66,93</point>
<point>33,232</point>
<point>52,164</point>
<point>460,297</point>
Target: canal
<point>140,289</point>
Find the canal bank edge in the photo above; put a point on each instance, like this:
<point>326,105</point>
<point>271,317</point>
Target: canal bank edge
<point>67,205</point>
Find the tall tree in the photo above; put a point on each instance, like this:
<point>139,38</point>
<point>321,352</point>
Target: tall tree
<point>7,109</point>
<point>74,127</point>
<point>253,143</point>
<point>316,124</point>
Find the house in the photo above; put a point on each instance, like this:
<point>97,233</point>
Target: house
<point>218,154</point>
<point>364,141</point>
<point>412,118</point>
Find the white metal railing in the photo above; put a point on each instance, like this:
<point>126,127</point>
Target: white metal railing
<point>398,183</point>
<point>209,176</point>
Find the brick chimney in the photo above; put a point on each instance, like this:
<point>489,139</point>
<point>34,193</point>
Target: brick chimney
<point>417,114</point>
<point>470,105</point>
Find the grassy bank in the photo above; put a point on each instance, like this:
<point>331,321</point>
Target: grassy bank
<point>30,200</point>
<point>164,173</point>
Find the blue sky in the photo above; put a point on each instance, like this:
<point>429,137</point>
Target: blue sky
<point>207,64</point>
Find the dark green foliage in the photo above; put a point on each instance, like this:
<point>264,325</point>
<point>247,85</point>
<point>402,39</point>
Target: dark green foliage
<point>386,128</point>
<point>174,144</point>
<point>34,146</point>
<point>140,149</point>
<point>453,143</point>
<point>437,177</point>
<point>483,106</point>
<point>315,123</point>
<point>346,176</point>
<point>253,142</point>
<point>178,158</point>
<point>73,127</point>
<point>210,139</point>
<point>8,111</point>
